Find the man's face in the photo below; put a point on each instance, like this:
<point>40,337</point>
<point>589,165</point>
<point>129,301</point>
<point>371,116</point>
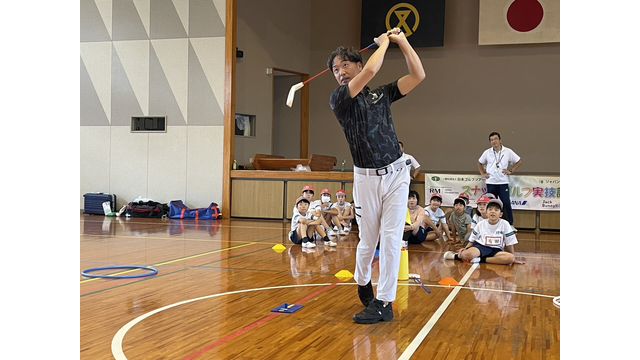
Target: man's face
<point>495,141</point>
<point>345,70</point>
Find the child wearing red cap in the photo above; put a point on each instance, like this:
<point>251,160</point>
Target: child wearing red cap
<point>468,208</point>
<point>315,210</point>
<point>481,211</point>
<point>344,213</point>
<point>435,219</point>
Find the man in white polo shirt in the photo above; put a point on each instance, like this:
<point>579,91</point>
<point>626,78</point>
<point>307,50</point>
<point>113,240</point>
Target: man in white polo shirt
<point>495,165</point>
<point>414,163</point>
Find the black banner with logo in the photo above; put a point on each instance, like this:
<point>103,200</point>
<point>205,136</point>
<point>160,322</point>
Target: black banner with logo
<point>422,21</point>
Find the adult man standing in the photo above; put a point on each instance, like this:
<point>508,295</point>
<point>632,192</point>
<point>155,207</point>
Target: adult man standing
<point>414,164</point>
<point>380,173</point>
<point>495,165</point>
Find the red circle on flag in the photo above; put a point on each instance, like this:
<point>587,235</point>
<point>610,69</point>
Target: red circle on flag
<point>525,15</point>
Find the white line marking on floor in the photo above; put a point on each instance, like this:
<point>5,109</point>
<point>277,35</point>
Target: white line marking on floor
<point>116,342</point>
<point>406,355</point>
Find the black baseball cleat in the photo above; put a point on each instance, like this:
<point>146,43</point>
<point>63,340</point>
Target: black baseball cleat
<point>365,293</point>
<point>376,311</point>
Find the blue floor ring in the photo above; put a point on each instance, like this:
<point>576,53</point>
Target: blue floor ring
<point>153,271</point>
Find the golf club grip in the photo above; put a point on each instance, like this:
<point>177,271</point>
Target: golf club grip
<point>327,69</point>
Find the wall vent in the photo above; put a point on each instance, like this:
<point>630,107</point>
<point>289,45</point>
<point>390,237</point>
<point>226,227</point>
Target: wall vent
<point>148,124</point>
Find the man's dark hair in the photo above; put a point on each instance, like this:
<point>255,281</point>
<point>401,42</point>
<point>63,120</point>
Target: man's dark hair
<point>344,53</point>
<point>413,193</point>
<point>459,201</point>
<point>495,133</point>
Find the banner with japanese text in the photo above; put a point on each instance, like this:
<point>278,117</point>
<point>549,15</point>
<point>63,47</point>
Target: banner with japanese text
<point>526,192</point>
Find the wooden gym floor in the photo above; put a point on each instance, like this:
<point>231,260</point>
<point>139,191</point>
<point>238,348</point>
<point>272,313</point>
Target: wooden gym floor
<point>218,280</point>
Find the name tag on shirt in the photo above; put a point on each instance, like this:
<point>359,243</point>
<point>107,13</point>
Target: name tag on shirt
<point>492,240</point>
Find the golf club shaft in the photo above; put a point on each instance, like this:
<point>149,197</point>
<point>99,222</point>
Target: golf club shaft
<point>327,69</point>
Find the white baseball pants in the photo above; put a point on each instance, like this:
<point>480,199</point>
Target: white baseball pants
<point>380,199</point>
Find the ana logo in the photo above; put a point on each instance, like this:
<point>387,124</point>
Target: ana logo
<point>435,178</point>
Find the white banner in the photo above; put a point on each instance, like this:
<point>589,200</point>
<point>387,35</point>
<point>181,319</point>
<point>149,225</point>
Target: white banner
<point>526,192</point>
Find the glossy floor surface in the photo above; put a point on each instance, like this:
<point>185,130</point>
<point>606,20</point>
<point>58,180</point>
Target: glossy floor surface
<point>218,281</point>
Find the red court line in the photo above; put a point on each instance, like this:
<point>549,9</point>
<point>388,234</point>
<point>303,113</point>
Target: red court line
<point>247,328</point>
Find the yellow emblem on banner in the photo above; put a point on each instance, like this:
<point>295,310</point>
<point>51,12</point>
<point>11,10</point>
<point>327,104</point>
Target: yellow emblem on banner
<point>401,12</point>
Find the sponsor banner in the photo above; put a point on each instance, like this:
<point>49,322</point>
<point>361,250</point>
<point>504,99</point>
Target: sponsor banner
<point>526,192</point>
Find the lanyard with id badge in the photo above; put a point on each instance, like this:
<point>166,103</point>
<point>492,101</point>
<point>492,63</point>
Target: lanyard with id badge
<point>498,158</point>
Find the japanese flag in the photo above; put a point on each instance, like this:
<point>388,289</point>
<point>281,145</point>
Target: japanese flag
<point>519,22</point>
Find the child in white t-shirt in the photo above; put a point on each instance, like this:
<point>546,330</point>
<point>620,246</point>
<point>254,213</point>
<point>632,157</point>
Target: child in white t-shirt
<point>481,211</point>
<point>480,214</point>
<point>435,219</point>
<point>315,209</point>
<point>343,213</point>
<point>491,241</point>
<point>325,210</point>
<point>301,229</point>
<point>304,225</point>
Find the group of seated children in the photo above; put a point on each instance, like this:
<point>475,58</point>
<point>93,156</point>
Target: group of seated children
<point>320,219</point>
<point>485,237</point>
<point>491,240</point>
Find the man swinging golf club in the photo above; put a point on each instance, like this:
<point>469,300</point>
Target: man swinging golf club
<point>381,174</point>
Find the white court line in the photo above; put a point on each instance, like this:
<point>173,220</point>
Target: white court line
<point>406,355</point>
<point>116,342</point>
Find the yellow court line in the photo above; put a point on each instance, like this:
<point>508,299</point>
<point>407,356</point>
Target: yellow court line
<point>155,238</point>
<point>180,259</point>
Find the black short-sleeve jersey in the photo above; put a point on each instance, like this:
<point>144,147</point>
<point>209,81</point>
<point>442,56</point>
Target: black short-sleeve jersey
<point>367,124</point>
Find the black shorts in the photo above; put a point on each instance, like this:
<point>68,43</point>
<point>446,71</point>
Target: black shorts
<point>419,237</point>
<point>293,236</point>
<point>486,251</point>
